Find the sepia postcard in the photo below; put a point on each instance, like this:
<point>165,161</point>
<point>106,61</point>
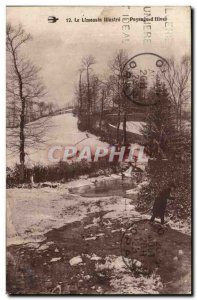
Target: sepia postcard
<point>98,135</point>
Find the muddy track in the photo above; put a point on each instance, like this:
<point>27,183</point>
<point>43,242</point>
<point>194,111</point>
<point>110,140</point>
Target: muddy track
<point>46,268</point>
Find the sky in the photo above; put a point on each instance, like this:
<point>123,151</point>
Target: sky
<point>59,47</point>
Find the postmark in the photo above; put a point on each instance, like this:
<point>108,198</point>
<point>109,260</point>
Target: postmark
<point>141,74</point>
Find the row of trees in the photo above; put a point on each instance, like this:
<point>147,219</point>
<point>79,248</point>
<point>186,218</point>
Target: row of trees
<point>33,111</point>
<point>98,98</point>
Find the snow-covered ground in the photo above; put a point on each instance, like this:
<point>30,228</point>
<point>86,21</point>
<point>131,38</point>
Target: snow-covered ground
<point>132,126</point>
<point>61,130</point>
<point>33,212</point>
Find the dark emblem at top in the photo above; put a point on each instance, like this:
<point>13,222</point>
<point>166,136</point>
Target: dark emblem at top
<point>52,19</point>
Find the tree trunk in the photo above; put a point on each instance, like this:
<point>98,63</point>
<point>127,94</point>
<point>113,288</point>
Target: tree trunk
<point>180,117</point>
<point>125,128</point>
<point>89,104</point>
<point>177,117</point>
<point>22,125</point>
<point>118,125</point>
<point>14,114</point>
<point>101,114</point>
<point>80,94</point>
<point>22,141</point>
<point>118,121</point>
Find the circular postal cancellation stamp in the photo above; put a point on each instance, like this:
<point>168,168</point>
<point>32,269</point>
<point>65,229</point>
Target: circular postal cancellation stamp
<point>141,73</point>
<point>142,246</point>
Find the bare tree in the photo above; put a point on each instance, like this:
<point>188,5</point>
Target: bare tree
<point>87,62</point>
<point>23,83</point>
<point>42,107</point>
<point>80,89</point>
<point>104,88</point>
<point>116,65</point>
<point>95,88</point>
<point>51,108</point>
<point>178,80</point>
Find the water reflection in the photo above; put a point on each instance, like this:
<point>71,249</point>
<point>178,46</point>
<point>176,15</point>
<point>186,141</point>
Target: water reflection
<point>104,188</point>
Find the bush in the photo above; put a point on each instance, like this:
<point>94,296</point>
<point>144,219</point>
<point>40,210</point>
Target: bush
<point>61,172</point>
<point>161,173</point>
